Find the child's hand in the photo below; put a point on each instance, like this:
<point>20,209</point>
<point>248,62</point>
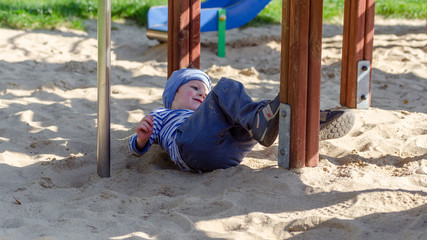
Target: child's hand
<point>144,129</point>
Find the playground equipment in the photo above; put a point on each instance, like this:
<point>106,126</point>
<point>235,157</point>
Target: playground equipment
<point>300,69</point>
<point>104,63</point>
<point>358,36</point>
<point>215,15</point>
<point>300,73</point>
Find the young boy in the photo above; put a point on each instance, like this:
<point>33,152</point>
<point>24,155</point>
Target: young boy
<point>204,130</point>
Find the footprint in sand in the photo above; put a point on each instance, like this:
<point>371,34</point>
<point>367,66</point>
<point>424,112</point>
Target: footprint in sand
<point>346,228</point>
<point>205,208</point>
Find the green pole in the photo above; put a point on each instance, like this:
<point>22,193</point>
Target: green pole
<point>222,17</point>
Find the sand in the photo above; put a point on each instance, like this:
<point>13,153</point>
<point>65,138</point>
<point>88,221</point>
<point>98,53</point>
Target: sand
<point>370,184</point>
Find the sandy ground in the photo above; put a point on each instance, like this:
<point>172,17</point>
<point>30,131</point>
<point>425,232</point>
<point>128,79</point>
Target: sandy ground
<point>370,184</point>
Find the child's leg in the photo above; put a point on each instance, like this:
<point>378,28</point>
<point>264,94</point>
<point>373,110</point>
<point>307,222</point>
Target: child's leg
<point>216,135</point>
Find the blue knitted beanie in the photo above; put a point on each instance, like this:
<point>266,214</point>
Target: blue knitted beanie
<point>180,77</point>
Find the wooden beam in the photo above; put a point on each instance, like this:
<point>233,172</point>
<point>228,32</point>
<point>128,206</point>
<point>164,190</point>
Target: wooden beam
<point>195,11</point>
<point>344,58</point>
<point>357,45</point>
<point>298,74</point>
<point>284,60</point>
<point>314,81</point>
<point>369,37</point>
<point>182,8</point>
<point>171,37</point>
<point>183,34</point>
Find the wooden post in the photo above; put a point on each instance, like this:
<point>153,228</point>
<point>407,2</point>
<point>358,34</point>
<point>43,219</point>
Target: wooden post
<point>298,58</point>
<point>369,37</point>
<point>300,77</point>
<point>183,34</point>
<point>284,61</point>
<point>195,11</point>
<point>357,45</point>
<point>314,79</point>
<point>171,37</point>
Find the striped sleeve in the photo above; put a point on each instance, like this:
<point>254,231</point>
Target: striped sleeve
<point>166,122</point>
<point>132,146</point>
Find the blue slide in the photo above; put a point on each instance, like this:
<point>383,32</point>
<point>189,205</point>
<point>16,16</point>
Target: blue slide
<point>239,12</point>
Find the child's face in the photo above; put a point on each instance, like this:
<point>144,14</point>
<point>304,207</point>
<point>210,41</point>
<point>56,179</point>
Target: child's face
<point>190,95</point>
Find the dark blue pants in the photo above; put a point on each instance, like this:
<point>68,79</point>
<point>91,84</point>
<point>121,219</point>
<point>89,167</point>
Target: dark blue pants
<point>216,135</point>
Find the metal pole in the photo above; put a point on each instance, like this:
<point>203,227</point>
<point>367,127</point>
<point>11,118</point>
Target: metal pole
<point>104,62</point>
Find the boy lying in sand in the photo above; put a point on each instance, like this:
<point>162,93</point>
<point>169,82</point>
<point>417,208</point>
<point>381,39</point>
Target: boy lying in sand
<point>204,130</point>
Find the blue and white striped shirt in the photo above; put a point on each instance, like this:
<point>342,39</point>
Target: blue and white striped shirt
<point>166,122</point>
